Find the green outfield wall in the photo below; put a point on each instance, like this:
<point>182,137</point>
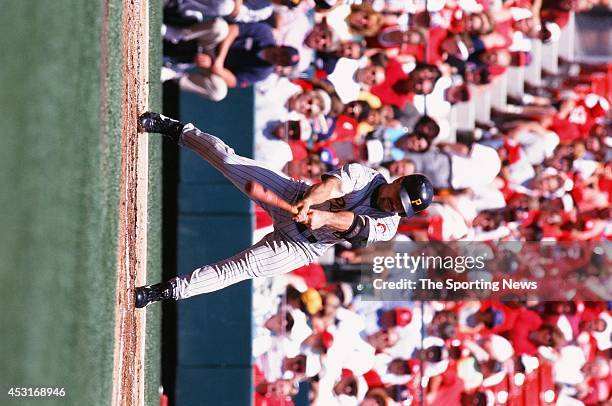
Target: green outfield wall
<point>207,339</point>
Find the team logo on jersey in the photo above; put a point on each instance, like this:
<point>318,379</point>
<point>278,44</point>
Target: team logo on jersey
<point>381,227</point>
<point>337,204</point>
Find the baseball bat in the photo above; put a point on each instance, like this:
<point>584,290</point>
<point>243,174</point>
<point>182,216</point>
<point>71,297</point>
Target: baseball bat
<point>256,191</point>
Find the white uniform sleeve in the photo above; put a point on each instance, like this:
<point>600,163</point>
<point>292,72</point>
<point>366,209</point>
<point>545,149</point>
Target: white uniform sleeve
<point>353,177</point>
<point>382,228</point>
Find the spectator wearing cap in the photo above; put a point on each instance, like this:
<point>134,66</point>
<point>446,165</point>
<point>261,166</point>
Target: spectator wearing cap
<point>400,86</point>
<point>489,318</point>
<point>318,343</point>
<point>343,389</point>
<point>394,371</point>
<point>247,55</point>
<point>291,27</point>
<point>293,104</point>
<point>383,339</point>
<point>398,317</point>
<point>300,366</point>
<point>326,61</point>
<point>282,143</point>
<point>349,386</point>
<point>312,104</point>
<point>452,217</point>
<point>524,25</point>
<point>350,77</point>
<point>290,130</point>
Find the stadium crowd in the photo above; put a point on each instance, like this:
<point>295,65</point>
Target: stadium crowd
<point>376,82</point>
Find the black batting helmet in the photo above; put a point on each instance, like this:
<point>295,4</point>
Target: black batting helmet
<point>416,193</point>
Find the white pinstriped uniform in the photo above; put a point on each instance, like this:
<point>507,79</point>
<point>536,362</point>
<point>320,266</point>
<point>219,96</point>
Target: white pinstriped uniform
<point>286,248</point>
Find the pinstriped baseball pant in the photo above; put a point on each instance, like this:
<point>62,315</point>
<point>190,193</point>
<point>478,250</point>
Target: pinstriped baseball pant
<point>281,251</point>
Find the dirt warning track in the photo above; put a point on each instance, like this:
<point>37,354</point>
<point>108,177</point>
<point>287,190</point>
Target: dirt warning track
<point>128,363</point>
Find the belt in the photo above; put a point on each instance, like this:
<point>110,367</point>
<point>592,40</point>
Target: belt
<point>304,231</point>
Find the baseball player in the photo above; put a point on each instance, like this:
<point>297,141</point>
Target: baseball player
<point>353,203</point>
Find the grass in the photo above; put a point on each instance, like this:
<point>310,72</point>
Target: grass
<point>60,180</point>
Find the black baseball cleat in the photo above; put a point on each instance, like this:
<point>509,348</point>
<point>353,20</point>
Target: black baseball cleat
<point>156,123</point>
<point>152,293</point>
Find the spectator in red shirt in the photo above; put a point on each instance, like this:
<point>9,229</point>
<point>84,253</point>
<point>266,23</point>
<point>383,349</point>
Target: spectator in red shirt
<point>529,333</point>
<point>399,87</point>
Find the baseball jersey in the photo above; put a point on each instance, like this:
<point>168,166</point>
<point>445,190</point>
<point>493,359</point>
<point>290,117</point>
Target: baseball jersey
<point>358,183</point>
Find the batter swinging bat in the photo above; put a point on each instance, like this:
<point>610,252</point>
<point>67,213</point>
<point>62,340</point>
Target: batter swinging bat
<point>257,192</point>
